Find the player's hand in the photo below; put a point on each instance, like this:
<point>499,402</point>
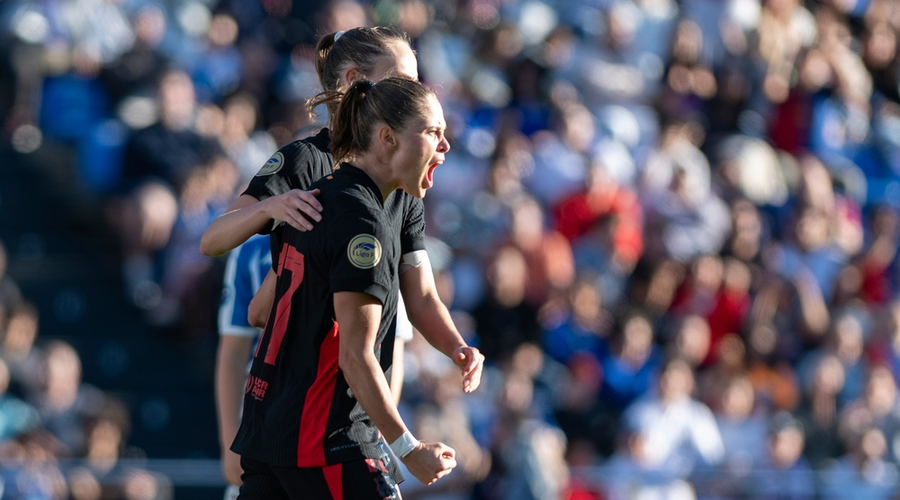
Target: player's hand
<point>231,467</point>
<point>429,462</point>
<point>296,208</point>
<point>471,362</point>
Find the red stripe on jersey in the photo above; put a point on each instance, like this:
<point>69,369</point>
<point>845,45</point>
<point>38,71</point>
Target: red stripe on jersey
<point>314,419</point>
<point>292,260</point>
<point>333,477</point>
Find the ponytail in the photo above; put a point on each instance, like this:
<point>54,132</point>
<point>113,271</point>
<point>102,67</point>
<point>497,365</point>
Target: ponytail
<point>323,48</point>
<point>348,130</point>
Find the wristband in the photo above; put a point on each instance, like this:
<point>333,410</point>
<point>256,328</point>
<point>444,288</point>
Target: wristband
<point>404,444</point>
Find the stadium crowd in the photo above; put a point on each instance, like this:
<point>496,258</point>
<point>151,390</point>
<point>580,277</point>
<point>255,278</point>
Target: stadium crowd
<point>670,226</point>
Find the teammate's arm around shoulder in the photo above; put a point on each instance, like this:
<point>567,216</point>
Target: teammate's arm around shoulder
<point>359,317</point>
<point>247,216</point>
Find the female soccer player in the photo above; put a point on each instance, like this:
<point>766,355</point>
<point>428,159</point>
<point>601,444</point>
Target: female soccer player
<point>318,409</point>
<point>278,193</point>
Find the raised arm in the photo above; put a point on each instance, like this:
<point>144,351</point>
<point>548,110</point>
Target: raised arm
<point>247,216</point>
<point>359,316</point>
<point>432,319</point>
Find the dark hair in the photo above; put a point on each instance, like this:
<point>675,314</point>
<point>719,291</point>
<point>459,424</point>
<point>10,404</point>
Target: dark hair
<point>393,101</point>
<point>359,47</point>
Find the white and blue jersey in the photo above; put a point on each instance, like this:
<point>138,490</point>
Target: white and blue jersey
<point>244,273</point>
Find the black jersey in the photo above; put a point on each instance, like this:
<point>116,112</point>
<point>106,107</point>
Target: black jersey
<point>298,408</point>
<point>294,166</point>
<point>297,166</point>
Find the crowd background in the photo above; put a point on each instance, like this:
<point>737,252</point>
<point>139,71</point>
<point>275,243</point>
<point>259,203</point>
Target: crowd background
<point>671,227</point>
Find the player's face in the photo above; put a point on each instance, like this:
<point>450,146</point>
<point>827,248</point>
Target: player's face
<point>421,148</point>
<point>400,62</point>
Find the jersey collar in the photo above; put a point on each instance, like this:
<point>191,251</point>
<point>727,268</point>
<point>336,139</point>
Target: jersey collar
<point>363,179</point>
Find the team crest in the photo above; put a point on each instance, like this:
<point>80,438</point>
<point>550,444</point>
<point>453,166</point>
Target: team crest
<point>364,251</point>
<point>273,165</point>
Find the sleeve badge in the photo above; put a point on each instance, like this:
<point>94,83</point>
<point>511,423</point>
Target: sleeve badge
<point>272,165</point>
<point>364,251</point>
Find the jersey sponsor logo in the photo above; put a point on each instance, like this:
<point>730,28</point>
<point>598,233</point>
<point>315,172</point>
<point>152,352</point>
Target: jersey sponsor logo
<point>273,164</point>
<point>364,251</point>
<point>256,387</point>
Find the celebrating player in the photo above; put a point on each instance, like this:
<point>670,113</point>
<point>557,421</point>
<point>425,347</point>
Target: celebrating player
<point>317,402</point>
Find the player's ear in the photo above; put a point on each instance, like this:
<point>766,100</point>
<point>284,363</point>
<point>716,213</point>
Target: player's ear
<point>386,136</point>
<point>351,75</point>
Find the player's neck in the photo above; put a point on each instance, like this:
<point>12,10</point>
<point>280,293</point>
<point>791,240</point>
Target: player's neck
<point>379,171</point>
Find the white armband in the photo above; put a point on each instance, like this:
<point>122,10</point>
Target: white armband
<point>404,444</point>
<point>410,260</point>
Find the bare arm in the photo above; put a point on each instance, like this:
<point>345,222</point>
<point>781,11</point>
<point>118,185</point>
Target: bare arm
<point>397,369</point>
<point>247,216</point>
<point>359,317</point>
<point>261,304</point>
<point>231,362</point>
<point>430,317</point>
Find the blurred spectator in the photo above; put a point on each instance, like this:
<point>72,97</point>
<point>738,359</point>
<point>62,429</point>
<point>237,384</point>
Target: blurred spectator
<point>885,344</point>
<point>819,409</point>
<point>217,71</point>
<point>589,422</point>
<point>106,433</point>
<point>879,407</point>
<point>551,268</point>
<point>443,416</point>
<point>632,472</point>
<point>189,280</point>
<point>581,325</point>
<point>247,146</point>
<point>863,471</point>
<point>771,374</point>
<point>747,232</point>
<point>718,290</point>
<point>159,164</point>
<point>16,416</point>
<point>743,429</point>
<point>64,402</point>
<point>685,218</point>
<point>632,367</point>
<point>603,221</point>
<point>880,252</point>
<point>679,432</point>
<point>689,81</point>
<point>504,319</point>
<point>130,75</point>
<point>18,346</point>
<point>731,356</point>
<point>846,341</point>
<point>784,473</point>
<point>31,467</point>
<point>691,340</point>
<point>528,452</point>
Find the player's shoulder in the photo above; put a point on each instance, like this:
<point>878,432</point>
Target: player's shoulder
<point>301,155</point>
<point>344,191</point>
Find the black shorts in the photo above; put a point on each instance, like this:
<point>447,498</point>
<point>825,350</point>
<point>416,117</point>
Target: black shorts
<point>358,480</point>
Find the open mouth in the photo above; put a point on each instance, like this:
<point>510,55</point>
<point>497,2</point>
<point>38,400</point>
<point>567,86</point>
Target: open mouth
<point>429,176</point>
